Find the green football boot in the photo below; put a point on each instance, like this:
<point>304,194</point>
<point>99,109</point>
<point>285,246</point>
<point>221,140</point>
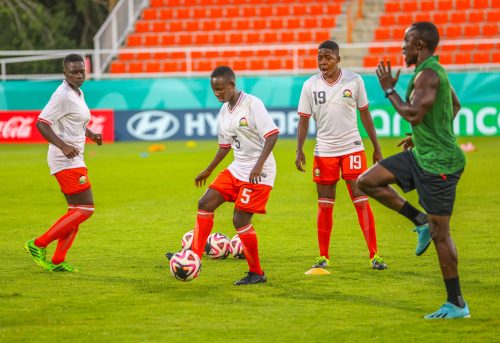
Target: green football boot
<point>321,262</point>
<point>378,263</point>
<point>38,254</point>
<point>62,267</point>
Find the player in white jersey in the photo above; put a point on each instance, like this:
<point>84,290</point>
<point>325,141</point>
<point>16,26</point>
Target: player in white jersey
<point>245,126</point>
<point>63,124</point>
<point>333,97</point>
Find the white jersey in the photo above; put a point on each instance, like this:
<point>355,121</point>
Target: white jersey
<point>68,115</point>
<point>245,129</point>
<point>334,108</point>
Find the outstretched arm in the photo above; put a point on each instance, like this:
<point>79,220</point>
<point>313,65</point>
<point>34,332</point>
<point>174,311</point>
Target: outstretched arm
<point>303,128</point>
<point>367,121</point>
<point>201,179</point>
<point>49,134</point>
<point>266,151</point>
<point>423,96</point>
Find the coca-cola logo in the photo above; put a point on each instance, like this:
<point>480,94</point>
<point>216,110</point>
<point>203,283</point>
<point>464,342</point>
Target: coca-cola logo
<point>16,127</point>
<point>96,123</point>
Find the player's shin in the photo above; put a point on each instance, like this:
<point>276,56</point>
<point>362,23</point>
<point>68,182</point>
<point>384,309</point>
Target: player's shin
<point>366,222</point>
<point>325,225</point>
<point>204,225</point>
<point>248,237</point>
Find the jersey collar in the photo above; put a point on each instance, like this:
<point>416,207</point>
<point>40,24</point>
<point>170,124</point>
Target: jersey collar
<point>334,82</point>
<point>237,103</point>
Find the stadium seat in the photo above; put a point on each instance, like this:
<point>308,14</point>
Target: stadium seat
<point>481,57</point>
<point>392,6</point>
<point>410,6</point>
<point>463,58</point>
<point>427,5</point>
<point>490,29</point>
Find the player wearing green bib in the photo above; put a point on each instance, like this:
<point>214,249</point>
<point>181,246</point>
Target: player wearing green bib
<point>432,162</point>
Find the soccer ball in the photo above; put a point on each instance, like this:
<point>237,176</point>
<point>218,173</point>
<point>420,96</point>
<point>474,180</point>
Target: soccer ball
<point>217,246</point>
<point>236,248</point>
<point>187,240</point>
<point>185,265</point>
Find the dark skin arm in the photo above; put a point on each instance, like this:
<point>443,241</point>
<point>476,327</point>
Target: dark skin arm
<point>95,137</point>
<point>266,151</point>
<point>424,93</point>
<point>456,103</point>
<point>367,121</point>
<point>47,133</point>
<point>201,179</point>
<point>300,159</point>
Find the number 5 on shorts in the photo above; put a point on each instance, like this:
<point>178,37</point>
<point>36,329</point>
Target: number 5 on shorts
<point>245,196</point>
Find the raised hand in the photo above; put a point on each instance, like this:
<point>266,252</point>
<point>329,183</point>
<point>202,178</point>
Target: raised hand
<point>384,74</point>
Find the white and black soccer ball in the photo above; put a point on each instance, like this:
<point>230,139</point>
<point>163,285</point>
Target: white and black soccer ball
<point>236,248</point>
<point>217,246</point>
<point>187,240</point>
<point>185,265</point>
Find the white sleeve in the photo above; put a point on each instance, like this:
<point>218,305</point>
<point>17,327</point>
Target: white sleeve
<point>223,142</point>
<point>263,122</point>
<point>362,97</point>
<point>54,110</point>
<point>305,105</point>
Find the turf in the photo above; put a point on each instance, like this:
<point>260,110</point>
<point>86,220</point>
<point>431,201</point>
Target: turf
<point>145,202</point>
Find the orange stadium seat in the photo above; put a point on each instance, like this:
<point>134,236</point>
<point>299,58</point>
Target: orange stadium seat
<point>410,6</point>
<point>463,58</point>
<point>462,4</point>
<point>170,23</point>
<point>445,5</point>
<point>445,58</point>
<point>392,6</point>
<point>481,57</point>
<point>490,29</point>
<point>427,5</point>
<point>388,19</point>
<point>482,3</point>
<point>117,67</point>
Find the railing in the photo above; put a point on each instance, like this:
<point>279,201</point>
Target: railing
<point>355,49</point>
<point>114,31</point>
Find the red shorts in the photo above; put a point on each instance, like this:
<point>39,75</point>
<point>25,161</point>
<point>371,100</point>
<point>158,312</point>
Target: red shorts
<point>246,196</point>
<point>326,170</point>
<point>73,181</point>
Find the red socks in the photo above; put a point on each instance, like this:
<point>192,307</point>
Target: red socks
<point>204,225</point>
<point>248,237</point>
<point>325,225</point>
<point>65,230</point>
<point>366,222</point>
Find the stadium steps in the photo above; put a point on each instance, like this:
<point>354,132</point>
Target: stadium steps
<point>240,23</point>
<point>455,19</point>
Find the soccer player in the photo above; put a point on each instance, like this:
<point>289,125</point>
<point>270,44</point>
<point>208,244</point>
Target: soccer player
<point>244,125</point>
<point>333,97</point>
<point>432,162</point>
<point>63,124</point>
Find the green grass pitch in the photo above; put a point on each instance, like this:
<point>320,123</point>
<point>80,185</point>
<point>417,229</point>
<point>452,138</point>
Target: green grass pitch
<point>125,293</point>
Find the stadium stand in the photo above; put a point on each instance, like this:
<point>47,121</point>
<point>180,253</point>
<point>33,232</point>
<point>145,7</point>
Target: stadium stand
<point>188,23</point>
<point>456,19</point>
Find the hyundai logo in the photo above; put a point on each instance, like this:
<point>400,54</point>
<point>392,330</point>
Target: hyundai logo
<point>153,125</point>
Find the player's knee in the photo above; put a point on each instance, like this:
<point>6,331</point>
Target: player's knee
<point>363,184</point>
<point>438,231</point>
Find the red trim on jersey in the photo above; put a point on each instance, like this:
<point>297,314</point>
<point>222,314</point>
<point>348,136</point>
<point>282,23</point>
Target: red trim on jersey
<point>334,82</point>
<point>237,103</point>
<point>44,121</point>
<point>272,132</point>
<point>304,114</point>
<point>363,108</point>
<point>225,145</point>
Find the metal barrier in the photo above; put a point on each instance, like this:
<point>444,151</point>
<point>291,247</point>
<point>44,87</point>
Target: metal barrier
<point>114,31</point>
<point>293,50</point>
